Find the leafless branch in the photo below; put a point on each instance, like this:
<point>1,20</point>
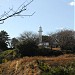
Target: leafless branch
<point>18,12</point>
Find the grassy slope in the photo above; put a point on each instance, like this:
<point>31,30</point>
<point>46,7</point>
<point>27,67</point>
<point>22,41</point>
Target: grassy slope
<point>28,65</point>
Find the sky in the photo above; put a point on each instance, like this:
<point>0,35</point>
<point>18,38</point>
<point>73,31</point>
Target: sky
<point>51,15</point>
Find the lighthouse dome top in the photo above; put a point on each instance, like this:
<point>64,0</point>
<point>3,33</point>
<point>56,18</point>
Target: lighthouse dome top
<point>40,29</point>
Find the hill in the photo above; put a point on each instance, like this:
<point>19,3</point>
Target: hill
<point>38,65</point>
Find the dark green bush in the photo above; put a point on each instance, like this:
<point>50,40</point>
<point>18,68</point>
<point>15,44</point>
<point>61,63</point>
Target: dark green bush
<point>28,48</point>
<point>48,52</point>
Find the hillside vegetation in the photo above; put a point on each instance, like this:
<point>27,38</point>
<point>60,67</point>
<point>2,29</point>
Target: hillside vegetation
<point>7,55</point>
<point>26,57</point>
<point>61,65</point>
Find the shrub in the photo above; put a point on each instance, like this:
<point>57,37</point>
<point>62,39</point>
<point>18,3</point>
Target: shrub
<point>69,69</point>
<point>48,52</point>
<point>28,48</point>
<point>8,55</point>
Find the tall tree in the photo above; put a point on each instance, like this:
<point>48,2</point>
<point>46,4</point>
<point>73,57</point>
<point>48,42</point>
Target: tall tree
<point>4,36</point>
<point>4,40</point>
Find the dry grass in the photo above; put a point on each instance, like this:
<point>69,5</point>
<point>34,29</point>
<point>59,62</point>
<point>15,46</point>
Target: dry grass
<point>28,65</point>
<point>56,48</point>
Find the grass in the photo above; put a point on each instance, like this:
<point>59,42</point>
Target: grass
<point>61,65</point>
<point>56,48</point>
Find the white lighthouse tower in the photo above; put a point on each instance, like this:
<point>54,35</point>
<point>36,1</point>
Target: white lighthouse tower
<point>40,35</point>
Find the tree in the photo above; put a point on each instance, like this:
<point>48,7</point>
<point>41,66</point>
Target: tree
<point>27,48</point>
<point>3,46</point>
<point>4,36</point>
<point>65,39</point>
<point>4,40</point>
<point>28,36</point>
<point>12,13</point>
<point>27,45</point>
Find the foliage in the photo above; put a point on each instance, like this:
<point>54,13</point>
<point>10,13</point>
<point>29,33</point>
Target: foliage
<point>44,67</point>
<point>30,48</point>
<point>68,69</point>
<point>27,48</point>
<point>8,55</point>
<point>40,66</point>
<point>4,36</point>
<point>48,52</point>
<point>4,40</point>
<point>28,36</point>
<point>65,39</point>
<point>3,46</point>
<point>27,44</point>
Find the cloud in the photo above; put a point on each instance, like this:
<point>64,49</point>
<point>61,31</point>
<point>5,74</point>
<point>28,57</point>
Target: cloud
<point>72,3</point>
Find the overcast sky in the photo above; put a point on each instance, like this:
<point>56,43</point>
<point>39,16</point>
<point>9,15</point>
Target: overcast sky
<point>52,15</point>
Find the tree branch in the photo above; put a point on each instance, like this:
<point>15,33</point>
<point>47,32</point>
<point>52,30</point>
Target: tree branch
<point>18,12</point>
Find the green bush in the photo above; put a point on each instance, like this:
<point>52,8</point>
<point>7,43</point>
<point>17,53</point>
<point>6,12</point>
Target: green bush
<point>44,67</point>
<point>68,69</point>
<point>8,55</point>
<point>4,60</point>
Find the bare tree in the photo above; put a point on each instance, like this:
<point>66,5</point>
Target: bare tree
<point>12,13</point>
<point>65,39</point>
<point>28,36</point>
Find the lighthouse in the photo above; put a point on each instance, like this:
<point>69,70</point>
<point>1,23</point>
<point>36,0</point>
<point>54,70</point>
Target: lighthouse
<point>40,35</point>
